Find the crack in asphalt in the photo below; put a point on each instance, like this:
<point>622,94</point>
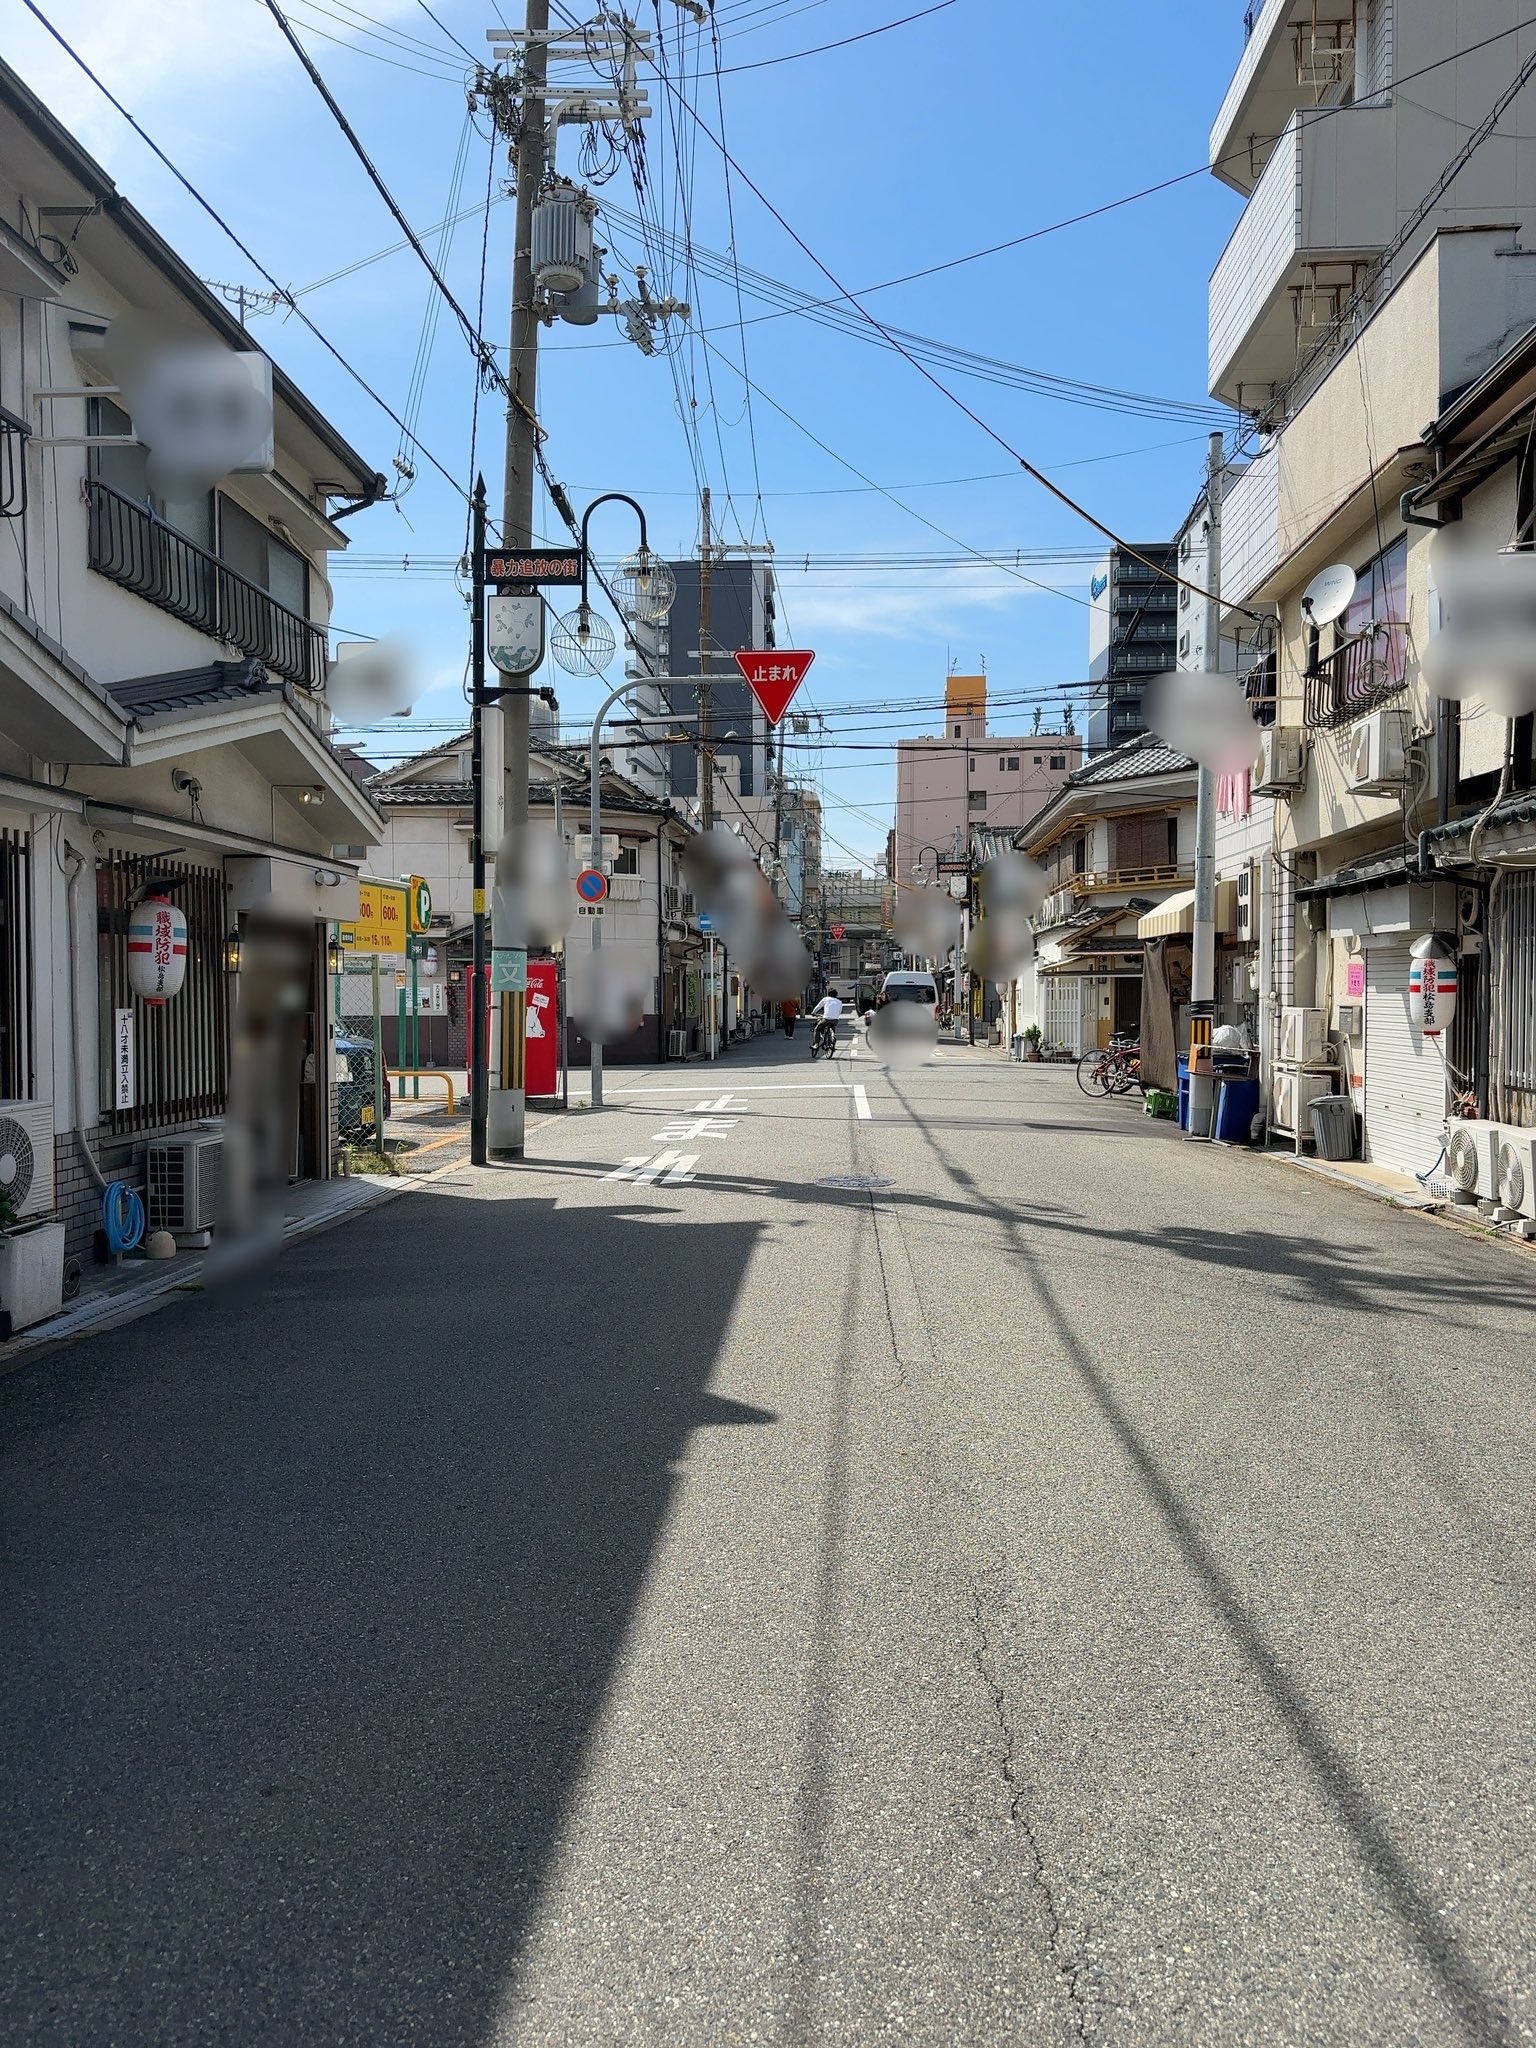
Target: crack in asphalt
<point>1066,1966</point>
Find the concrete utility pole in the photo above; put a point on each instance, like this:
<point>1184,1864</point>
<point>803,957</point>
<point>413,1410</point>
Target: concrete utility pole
<point>507,1102</point>
<point>1202,1004</point>
<point>706,670</point>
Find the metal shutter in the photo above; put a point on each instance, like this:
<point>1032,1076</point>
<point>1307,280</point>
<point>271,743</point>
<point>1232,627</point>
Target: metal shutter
<point>1404,1072</point>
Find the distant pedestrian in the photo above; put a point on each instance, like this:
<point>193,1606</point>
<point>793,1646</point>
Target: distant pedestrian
<point>788,1013</point>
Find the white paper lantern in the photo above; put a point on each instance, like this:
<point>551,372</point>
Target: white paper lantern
<point>157,950</point>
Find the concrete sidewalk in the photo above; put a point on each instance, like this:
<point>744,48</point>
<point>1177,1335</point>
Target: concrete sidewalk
<point>120,1293</point>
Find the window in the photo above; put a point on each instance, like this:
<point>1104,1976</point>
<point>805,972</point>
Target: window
<point>978,799</point>
<point>1011,765</point>
<point>628,862</point>
<point>1173,842</point>
<point>1184,597</point>
<point>1080,855</point>
<point>1057,760</point>
<point>181,1049</point>
<point>258,555</point>
<point>127,470</point>
<point>957,732</point>
<point>1183,643</point>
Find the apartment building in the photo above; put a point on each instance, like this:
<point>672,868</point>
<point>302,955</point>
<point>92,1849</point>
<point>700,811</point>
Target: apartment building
<point>1133,632</point>
<point>965,777</point>
<point>1364,293</point>
<point>162,722</point>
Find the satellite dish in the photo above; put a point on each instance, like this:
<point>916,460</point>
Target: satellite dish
<point>1328,594</point>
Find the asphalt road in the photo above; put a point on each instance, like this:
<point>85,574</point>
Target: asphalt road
<point>1078,1587</point>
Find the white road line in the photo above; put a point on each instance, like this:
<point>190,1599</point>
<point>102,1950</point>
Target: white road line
<point>861,1104</point>
<point>752,1088</point>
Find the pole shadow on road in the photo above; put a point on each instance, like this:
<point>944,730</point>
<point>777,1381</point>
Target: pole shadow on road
<point>1481,2011</point>
<point>312,1594</point>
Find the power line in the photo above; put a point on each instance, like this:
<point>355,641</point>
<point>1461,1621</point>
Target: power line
<point>214,215</point>
<point>821,49</point>
<point>927,375</point>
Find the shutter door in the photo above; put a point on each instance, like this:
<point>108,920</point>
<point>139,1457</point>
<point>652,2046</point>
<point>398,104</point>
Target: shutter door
<point>1404,1072</point>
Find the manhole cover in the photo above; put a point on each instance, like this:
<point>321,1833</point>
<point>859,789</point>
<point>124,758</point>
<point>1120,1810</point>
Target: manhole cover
<point>855,1180</point>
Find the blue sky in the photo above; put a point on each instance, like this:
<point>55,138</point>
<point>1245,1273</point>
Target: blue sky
<point>973,125</point>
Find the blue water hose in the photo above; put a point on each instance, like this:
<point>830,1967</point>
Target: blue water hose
<point>122,1217</point>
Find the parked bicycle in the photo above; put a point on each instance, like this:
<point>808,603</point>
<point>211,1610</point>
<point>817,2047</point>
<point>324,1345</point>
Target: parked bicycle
<point>1114,1070</point>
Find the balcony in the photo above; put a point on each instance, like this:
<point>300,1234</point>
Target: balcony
<point>1103,881</point>
<point>1358,676</point>
<point>13,465</point>
<point>134,548</point>
<point>1320,215</point>
<point>1250,528</point>
<point>1286,65</point>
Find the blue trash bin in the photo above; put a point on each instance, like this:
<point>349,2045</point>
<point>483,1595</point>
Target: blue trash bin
<point>1239,1106</point>
<point>1183,1092</point>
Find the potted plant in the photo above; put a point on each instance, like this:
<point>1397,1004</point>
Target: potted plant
<point>1032,1037</point>
<point>31,1268</point>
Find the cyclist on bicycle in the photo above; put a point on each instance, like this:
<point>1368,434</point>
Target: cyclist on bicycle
<point>826,1013</point>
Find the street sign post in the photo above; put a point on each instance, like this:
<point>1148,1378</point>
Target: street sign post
<point>516,636</point>
<point>837,931</point>
<point>509,971</point>
<point>773,675</point>
<point>542,565</point>
<point>591,885</point>
<point>706,922</point>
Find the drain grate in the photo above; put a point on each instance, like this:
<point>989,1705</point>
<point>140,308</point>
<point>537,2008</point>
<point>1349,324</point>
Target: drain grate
<point>855,1180</point>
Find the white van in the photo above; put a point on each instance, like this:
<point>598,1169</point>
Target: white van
<point>910,986</point>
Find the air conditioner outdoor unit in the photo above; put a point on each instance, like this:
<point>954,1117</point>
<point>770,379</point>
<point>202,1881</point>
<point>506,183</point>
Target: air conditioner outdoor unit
<point>1514,1174</point>
<point>1282,762</point>
<point>1247,893</point>
<point>26,1156</point>
<point>1303,1036</point>
<point>1375,755</point>
<point>185,1179</point>
<point>677,1045</point>
<point>1294,1096</point>
<point>1471,1157</point>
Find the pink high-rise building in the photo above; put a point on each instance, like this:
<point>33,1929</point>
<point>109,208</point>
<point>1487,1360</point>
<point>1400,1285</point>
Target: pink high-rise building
<point>965,776</point>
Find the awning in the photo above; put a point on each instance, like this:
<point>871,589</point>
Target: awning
<point>1175,918</point>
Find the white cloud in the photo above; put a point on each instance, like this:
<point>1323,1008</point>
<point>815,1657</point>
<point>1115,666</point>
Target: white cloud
<point>205,63</point>
<point>939,597</point>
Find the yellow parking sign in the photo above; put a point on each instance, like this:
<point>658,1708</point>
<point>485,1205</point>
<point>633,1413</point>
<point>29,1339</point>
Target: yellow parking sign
<point>381,925</point>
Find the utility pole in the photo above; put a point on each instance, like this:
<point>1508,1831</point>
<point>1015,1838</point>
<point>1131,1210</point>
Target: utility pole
<point>506,1107</point>
<point>1202,992</point>
<point>479,1015</point>
<point>706,671</point>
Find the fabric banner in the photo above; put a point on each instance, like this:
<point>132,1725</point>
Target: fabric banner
<point>1159,1042</point>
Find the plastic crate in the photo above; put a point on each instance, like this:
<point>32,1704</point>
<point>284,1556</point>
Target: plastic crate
<point>1161,1102</point>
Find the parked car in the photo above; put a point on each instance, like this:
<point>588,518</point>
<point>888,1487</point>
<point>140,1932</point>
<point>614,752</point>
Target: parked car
<point>355,1060</point>
<point>910,986</point>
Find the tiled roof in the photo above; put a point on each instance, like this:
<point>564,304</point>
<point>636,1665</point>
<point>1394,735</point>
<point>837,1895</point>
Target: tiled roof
<point>1144,755</point>
<point>393,795</point>
<point>220,682</point>
<point>388,795</point>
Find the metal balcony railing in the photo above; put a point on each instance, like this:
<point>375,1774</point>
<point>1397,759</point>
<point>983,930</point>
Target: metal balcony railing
<point>133,547</point>
<point>1364,672</point>
<point>13,465</point>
